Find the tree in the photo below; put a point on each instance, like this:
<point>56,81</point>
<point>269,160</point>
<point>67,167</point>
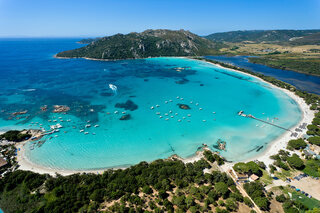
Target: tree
<point>297,144</point>
<point>281,198</point>
<point>295,162</point>
<point>147,190</point>
<point>247,201</point>
<point>97,195</point>
<point>189,201</point>
<point>314,140</point>
<point>231,204</point>
<point>254,168</point>
<point>221,188</point>
<point>261,164</point>
<point>209,156</point>
<point>163,194</point>
<point>262,202</point>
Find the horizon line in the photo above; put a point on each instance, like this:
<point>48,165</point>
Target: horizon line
<point>95,36</point>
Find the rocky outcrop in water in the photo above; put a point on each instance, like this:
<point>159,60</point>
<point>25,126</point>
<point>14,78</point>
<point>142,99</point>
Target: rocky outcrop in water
<point>125,117</point>
<point>60,108</point>
<point>129,105</point>
<point>183,106</point>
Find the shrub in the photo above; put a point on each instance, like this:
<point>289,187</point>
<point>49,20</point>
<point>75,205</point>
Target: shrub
<point>281,198</point>
<point>209,156</point>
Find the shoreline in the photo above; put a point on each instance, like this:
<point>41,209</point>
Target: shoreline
<point>26,165</point>
<point>273,147</point>
<point>280,142</point>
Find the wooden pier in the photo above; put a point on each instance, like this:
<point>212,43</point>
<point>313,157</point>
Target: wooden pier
<point>251,116</point>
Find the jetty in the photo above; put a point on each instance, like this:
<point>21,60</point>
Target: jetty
<point>241,113</point>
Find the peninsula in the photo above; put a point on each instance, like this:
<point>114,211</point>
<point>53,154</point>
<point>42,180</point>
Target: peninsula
<point>150,43</point>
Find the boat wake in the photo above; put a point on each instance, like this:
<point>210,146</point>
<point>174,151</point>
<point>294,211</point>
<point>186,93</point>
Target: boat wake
<point>113,88</point>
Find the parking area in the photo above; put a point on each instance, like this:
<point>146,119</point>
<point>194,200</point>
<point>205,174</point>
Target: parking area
<point>308,185</point>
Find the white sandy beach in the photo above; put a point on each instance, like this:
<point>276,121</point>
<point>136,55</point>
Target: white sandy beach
<point>273,147</point>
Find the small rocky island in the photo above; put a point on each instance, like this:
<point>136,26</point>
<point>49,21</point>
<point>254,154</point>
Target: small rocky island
<point>183,106</point>
<point>60,108</point>
<point>125,117</point>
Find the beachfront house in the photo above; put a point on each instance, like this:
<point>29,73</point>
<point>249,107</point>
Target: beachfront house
<point>253,177</point>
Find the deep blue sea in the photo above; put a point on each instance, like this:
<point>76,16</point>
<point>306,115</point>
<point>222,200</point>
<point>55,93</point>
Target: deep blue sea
<point>302,81</point>
<point>94,137</point>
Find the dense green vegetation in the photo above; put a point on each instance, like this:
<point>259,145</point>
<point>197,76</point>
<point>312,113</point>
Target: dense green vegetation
<point>304,65</point>
<point>15,135</point>
<point>155,187</point>
<point>297,144</point>
<point>295,162</point>
<point>314,140</point>
<point>312,167</point>
<point>150,43</point>
<point>258,36</point>
<point>313,129</point>
<point>248,168</point>
<point>213,157</point>
<point>256,191</point>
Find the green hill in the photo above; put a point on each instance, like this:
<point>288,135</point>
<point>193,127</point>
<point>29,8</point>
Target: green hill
<point>88,40</point>
<point>313,39</point>
<point>150,43</point>
<point>257,36</point>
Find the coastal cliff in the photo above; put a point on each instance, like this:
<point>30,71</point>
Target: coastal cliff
<point>150,43</point>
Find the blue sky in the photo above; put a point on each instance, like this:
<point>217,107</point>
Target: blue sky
<point>86,18</point>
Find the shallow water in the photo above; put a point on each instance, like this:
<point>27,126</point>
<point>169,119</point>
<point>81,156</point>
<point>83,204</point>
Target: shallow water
<point>31,78</point>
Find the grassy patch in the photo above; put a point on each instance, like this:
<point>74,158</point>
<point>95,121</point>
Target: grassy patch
<point>266,178</point>
<point>283,174</point>
<point>309,202</point>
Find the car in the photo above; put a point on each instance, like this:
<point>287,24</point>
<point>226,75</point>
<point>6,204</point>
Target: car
<point>275,178</point>
<point>292,187</point>
<point>302,192</point>
<point>306,194</point>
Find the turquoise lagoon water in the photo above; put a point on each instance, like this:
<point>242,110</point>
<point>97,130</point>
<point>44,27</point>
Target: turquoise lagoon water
<point>31,78</point>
